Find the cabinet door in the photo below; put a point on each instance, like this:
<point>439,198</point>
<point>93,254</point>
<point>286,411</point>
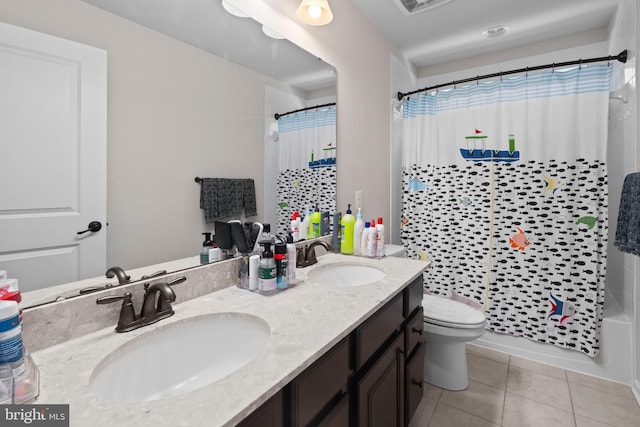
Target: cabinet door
<point>267,415</point>
<point>339,416</point>
<point>315,390</point>
<point>414,382</point>
<point>380,392</point>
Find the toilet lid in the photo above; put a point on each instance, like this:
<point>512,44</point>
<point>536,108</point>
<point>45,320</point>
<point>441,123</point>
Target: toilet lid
<point>445,310</point>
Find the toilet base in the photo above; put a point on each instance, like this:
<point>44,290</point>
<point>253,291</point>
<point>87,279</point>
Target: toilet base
<point>445,365</point>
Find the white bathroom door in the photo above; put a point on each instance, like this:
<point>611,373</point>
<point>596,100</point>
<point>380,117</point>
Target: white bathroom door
<point>53,113</point>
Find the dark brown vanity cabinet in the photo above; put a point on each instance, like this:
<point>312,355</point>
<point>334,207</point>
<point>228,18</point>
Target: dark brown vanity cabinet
<point>268,415</point>
<point>373,377</point>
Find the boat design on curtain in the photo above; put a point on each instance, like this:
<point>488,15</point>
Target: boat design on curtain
<point>307,158</point>
<point>505,191</point>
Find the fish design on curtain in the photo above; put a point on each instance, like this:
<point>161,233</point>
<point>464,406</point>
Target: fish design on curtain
<point>307,164</point>
<point>505,191</point>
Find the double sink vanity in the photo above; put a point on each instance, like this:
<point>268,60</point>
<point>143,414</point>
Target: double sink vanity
<point>342,347</point>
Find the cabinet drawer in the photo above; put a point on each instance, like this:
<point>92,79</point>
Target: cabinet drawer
<point>377,329</point>
<point>413,296</point>
<point>413,334</point>
<point>339,415</point>
<point>320,383</point>
<point>414,382</point>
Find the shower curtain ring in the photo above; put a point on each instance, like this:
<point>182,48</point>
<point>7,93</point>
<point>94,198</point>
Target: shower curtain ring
<point>579,64</point>
<point>553,67</point>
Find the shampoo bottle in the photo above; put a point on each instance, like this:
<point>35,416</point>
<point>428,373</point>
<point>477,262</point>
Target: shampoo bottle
<point>379,238</point>
<point>357,233</point>
<point>305,225</point>
<point>295,226</point>
<point>371,239</point>
<point>364,239</point>
<point>346,224</point>
<point>267,272</point>
<point>316,219</point>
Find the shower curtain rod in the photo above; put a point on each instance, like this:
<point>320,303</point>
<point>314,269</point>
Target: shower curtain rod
<point>622,57</point>
<point>277,116</point>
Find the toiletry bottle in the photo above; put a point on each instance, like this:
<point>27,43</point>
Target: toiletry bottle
<point>291,259</point>
<point>357,233</point>
<point>364,238</point>
<point>325,224</point>
<point>295,226</point>
<point>316,218</point>
<point>206,245</point>
<point>371,239</point>
<point>305,225</point>
<point>267,271</point>
<point>347,223</point>
<point>379,238</point>
<point>282,278</point>
<point>11,347</point>
<point>254,266</point>
<point>337,232</point>
<point>215,254</point>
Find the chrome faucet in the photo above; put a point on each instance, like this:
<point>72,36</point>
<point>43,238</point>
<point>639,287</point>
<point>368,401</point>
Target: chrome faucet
<point>123,278</point>
<point>307,256</point>
<point>151,311</point>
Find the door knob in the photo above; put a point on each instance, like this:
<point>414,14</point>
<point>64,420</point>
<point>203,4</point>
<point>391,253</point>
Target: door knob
<point>94,226</point>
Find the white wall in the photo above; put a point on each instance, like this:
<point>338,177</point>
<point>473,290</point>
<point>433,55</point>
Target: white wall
<point>360,54</point>
<point>174,112</point>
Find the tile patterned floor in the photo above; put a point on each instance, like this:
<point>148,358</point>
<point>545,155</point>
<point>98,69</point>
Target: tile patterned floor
<point>510,391</point>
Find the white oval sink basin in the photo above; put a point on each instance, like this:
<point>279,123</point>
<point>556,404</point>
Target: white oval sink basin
<point>180,357</point>
<point>345,274</point>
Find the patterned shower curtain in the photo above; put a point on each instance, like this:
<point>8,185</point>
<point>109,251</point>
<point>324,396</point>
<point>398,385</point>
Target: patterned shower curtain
<point>307,164</point>
<point>505,191</point>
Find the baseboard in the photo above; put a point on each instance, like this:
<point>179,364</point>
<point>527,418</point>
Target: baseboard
<point>635,388</point>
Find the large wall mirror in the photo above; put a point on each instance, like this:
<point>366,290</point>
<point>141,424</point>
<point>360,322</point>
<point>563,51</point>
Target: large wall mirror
<point>154,153</point>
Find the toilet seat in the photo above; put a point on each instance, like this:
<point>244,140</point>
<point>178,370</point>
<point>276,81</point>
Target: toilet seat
<point>452,314</point>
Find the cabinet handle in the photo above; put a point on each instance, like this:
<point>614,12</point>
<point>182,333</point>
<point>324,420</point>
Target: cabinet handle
<point>416,330</point>
<point>418,383</point>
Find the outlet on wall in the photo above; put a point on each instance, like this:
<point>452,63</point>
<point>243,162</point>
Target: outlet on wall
<point>358,199</point>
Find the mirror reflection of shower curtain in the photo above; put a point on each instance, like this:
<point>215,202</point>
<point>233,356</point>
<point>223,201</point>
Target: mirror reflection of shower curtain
<point>307,158</point>
<point>505,191</point>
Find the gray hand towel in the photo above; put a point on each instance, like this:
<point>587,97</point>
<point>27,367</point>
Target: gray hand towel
<point>225,197</point>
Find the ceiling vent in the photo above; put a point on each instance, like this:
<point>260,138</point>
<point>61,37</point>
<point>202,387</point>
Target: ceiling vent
<point>411,7</point>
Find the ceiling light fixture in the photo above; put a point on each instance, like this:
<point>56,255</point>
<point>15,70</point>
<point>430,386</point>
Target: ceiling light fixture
<point>493,32</point>
<point>314,12</point>
<point>272,33</point>
<point>233,10</point>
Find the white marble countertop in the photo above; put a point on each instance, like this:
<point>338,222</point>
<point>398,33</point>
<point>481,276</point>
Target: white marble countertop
<point>305,321</point>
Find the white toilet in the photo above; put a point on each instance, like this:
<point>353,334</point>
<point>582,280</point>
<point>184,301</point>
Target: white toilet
<point>448,325</point>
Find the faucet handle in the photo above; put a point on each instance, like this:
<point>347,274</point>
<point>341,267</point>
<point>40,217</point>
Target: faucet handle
<point>127,312</point>
<point>152,275</point>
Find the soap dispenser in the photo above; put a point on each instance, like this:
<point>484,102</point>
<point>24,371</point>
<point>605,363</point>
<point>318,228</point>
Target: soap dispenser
<point>206,245</point>
<point>316,219</point>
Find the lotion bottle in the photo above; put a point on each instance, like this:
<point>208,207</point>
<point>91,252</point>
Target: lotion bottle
<point>346,224</point>
<point>380,238</point>
<point>295,226</point>
<point>364,238</point>
<point>305,224</point>
<point>371,239</point>
<point>357,233</point>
